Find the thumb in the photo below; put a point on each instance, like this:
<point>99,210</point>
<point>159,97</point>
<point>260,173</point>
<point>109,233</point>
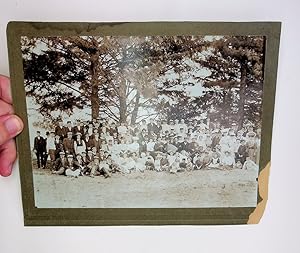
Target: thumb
<point>10,126</point>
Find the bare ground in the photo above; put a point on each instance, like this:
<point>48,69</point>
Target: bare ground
<point>205,188</point>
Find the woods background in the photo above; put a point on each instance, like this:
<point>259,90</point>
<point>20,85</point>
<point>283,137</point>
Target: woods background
<point>120,77</point>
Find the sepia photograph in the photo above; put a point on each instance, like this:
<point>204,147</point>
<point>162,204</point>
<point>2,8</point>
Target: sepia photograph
<point>144,121</point>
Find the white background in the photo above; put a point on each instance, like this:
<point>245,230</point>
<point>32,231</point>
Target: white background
<point>279,227</point>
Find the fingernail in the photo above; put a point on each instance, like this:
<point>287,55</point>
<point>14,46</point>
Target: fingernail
<point>6,171</point>
<point>12,125</point>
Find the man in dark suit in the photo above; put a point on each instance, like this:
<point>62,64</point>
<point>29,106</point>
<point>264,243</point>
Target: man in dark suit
<point>68,129</point>
<point>78,128</point>
<point>96,142</point>
<point>152,127</point>
<point>193,147</point>
<point>60,130</point>
<point>183,145</point>
<point>60,164</point>
<point>69,144</point>
<point>39,148</point>
<point>45,154</point>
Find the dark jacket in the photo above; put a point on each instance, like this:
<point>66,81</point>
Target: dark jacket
<point>69,145</point>
<point>39,144</point>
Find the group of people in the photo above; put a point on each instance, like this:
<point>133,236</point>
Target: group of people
<point>103,147</point>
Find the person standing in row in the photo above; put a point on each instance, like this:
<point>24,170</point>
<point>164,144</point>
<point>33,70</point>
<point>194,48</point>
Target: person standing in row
<point>51,147</point>
<point>69,143</point>
<point>39,149</point>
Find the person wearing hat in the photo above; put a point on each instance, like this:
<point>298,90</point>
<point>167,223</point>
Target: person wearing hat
<point>250,165</point>
<point>206,159</point>
<point>99,167</point>
<point>45,158</point>
<point>197,160</point>
<point>98,128</point>
<point>96,142</point>
<point>215,161</point>
<point>68,128</point>
<point>164,162</point>
<point>72,167</point>
<point>152,127</point>
<point>227,160</point>
<point>69,143</point>
<point>150,145</point>
<point>129,162</point>
<point>232,141</point>
<point>39,148</point>
<point>100,121</point>
<point>60,130</point>
<point>193,146</point>
<point>111,146</point>
<point>234,127</point>
<point>201,141</point>
<point>113,129</point>
<point>182,125</point>
<point>149,164</point>
<point>157,162</point>
<point>134,146</point>
<point>87,158</point>
<point>51,147</point>
<point>58,145</point>
<point>160,145</point>
<point>183,164</point>
<point>81,164</point>
<point>90,130</point>
<point>84,158</point>
<point>251,146</point>
<point>78,128</point>
<point>140,162</point>
<point>174,167</point>
<point>216,137</point>
<point>112,165</point>
<point>172,133</point>
<point>143,125</point>
<point>202,126</point>
<point>132,129</point>
<point>88,140</point>
<point>143,140</point>
<point>176,126</point>
<point>60,164</point>
<point>122,129</point>
<point>90,156</point>
<point>165,127</point>
<point>242,151</point>
<point>183,144</point>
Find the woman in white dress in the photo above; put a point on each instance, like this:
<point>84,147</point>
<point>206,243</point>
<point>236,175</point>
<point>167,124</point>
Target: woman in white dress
<point>79,144</point>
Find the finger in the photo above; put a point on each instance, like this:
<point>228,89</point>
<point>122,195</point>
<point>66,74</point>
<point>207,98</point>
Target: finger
<point>10,126</point>
<point>5,108</point>
<point>8,156</point>
<point>5,92</point>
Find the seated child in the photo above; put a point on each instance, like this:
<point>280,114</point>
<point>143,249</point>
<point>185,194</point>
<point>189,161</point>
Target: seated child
<point>249,164</point>
<point>215,161</point>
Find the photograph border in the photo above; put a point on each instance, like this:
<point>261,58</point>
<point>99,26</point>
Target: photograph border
<point>136,216</point>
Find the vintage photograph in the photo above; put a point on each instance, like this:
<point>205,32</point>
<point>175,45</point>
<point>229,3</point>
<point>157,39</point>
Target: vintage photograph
<point>144,121</point>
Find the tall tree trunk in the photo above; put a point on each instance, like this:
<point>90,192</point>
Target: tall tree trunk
<point>136,108</point>
<point>241,104</point>
<point>122,101</point>
<point>95,102</point>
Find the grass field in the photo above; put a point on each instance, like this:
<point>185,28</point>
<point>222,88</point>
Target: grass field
<point>204,188</point>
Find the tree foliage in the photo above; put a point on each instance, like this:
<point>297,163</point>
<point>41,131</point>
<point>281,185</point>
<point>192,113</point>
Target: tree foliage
<point>236,78</point>
<point>123,76</point>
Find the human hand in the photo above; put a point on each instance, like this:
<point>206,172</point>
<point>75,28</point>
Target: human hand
<point>10,126</point>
